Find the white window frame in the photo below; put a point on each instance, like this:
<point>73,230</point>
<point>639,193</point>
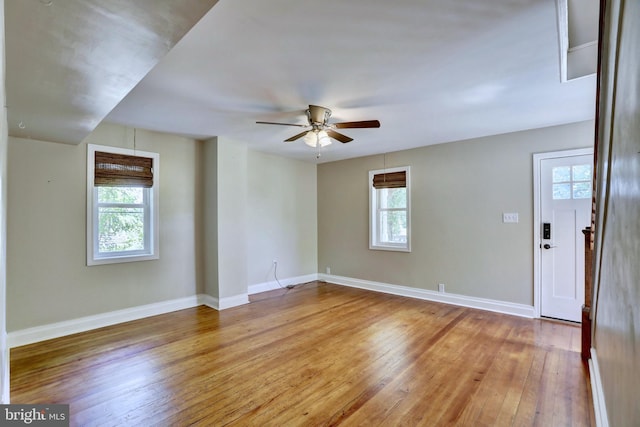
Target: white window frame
<point>374,213</point>
<point>151,212</point>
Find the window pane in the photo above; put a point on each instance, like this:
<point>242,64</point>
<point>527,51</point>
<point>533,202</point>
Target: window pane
<point>393,198</point>
<point>561,191</point>
<point>582,173</point>
<point>561,174</point>
<point>582,190</point>
<point>120,229</point>
<point>120,195</point>
<point>393,227</point>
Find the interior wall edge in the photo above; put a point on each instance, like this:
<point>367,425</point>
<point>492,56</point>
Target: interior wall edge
<point>4,136</point>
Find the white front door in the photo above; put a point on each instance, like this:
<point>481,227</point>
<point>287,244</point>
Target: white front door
<point>565,210</point>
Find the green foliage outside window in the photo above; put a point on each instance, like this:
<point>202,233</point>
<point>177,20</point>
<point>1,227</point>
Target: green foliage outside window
<point>394,223</point>
<point>120,227</point>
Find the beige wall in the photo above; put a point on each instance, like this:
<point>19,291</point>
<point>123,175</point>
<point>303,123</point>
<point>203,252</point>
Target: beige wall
<point>232,218</point>
<point>47,277</point>
<point>220,226</point>
<point>281,218</point>
<point>265,208</point>
<point>616,335</point>
<point>209,255</point>
<point>459,192</point>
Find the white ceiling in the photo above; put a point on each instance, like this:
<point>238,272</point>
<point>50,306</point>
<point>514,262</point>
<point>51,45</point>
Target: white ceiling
<point>69,62</point>
<point>430,71</point>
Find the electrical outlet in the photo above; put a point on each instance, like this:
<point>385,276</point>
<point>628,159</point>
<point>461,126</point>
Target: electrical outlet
<point>511,217</point>
<point>328,270</point>
<point>441,287</point>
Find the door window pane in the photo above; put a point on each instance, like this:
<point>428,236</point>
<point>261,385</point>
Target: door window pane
<point>582,173</point>
<point>561,191</point>
<point>582,190</point>
<point>572,182</point>
<point>561,174</point>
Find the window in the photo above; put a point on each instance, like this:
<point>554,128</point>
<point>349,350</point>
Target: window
<point>122,205</point>
<point>572,182</point>
<point>389,209</point>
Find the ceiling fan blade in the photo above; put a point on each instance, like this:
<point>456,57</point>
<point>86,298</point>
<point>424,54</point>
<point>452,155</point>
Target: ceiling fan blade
<point>361,124</point>
<point>298,136</point>
<point>338,136</point>
<point>282,124</point>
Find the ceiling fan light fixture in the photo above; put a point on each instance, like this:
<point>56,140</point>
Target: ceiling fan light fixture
<point>323,139</point>
<point>311,139</point>
<point>317,138</point>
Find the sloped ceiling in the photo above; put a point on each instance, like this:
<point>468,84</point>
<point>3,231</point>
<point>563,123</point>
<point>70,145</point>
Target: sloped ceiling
<point>70,62</point>
<point>430,71</point>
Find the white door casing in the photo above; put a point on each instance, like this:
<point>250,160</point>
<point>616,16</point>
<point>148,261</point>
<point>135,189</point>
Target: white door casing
<point>562,199</point>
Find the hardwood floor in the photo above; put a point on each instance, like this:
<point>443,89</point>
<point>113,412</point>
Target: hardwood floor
<point>319,354</point>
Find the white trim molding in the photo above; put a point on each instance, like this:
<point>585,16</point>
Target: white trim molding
<point>599,406</point>
<point>83,324</point>
<point>290,281</point>
<point>223,303</point>
<point>233,301</point>
<point>575,61</point>
<point>505,307</point>
<point>209,301</point>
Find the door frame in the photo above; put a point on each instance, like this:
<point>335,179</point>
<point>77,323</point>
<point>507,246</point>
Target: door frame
<point>537,204</point>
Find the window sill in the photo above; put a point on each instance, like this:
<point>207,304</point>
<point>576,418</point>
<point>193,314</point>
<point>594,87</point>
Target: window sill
<point>121,259</point>
<point>390,248</point>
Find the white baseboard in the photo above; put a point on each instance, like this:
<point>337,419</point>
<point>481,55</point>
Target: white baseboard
<point>83,324</point>
<point>209,301</point>
<point>521,310</point>
<point>234,301</point>
<point>269,286</point>
<point>224,303</point>
<point>599,405</point>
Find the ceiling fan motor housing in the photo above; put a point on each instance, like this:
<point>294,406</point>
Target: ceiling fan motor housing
<point>318,116</point>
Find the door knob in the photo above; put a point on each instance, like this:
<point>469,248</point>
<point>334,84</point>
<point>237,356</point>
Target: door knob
<point>548,246</point>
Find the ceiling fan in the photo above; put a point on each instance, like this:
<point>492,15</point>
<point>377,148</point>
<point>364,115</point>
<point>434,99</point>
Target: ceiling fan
<point>321,130</point>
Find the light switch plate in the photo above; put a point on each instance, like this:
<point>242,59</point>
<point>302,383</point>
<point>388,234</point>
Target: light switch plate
<point>511,217</point>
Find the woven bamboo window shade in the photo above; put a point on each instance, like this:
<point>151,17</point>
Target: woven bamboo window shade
<point>390,180</point>
<point>120,170</point>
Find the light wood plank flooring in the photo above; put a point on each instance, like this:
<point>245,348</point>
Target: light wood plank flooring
<point>319,354</point>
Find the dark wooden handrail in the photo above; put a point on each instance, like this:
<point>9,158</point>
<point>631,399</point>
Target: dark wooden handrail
<point>586,308</point>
